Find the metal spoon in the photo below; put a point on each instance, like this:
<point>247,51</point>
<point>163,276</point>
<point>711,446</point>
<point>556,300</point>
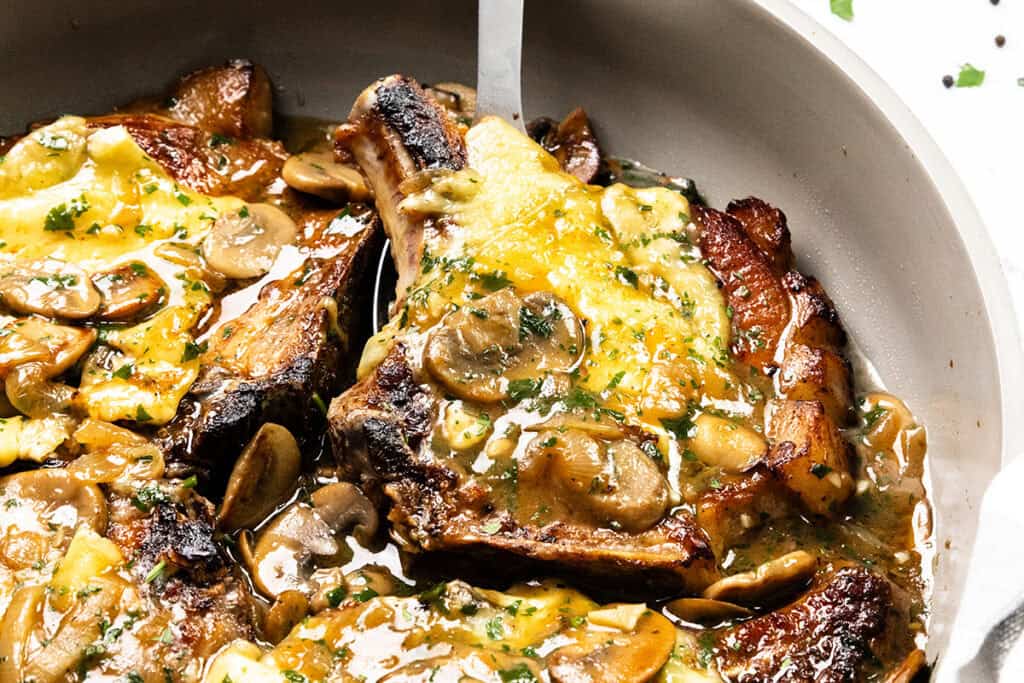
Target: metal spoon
<point>499,53</point>
<point>498,91</point>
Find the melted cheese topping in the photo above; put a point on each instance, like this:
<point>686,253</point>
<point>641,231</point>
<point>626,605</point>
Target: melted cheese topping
<point>92,197</point>
<point>620,257</point>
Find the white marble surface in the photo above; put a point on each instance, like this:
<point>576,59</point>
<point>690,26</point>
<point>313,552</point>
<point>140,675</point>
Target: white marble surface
<point>912,44</point>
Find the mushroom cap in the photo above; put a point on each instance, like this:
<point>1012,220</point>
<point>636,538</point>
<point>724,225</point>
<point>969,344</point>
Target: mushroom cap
<point>264,476</point>
<point>48,287</point>
<point>245,243</point>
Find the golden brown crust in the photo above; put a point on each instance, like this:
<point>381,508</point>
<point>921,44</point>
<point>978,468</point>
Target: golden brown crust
<point>269,363</point>
<point>809,455</point>
<point>233,100</point>
<point>815,374</point>
<point>572,142</point>
<point>728,513</point>
<point>377,429</point>
<point>753,290</point>
<point>766,226</point>
<point>199,160</point>
<point>825,636</point>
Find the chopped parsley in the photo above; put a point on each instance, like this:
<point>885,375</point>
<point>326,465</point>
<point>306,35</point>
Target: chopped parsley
<point>842,9</point>
<point>627,276</point>
<point>336,595</point>
<point>365,594</point>
<point>492,281</point>
<point>124,372</point>
<point>156,572</point>
<point>819,470</point>
<point>532,323</point>
<point>518,674</point>
<point>61,218</point>
<point>216,140</point>
<point>147,497</point>
<point>873,416</point>
<point>616,379</point>
<point>681,427</point>
<point>495,629</point>
<point>141,415</point>
<point>970,77</point>
<point>193,351</point>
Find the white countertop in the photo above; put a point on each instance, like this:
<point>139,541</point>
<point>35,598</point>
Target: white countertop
<point>912,44</point>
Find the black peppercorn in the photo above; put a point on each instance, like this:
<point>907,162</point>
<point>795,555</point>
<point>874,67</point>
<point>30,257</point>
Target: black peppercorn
<point>947,81</point>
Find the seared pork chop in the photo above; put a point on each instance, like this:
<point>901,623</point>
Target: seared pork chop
<point>452,358</point>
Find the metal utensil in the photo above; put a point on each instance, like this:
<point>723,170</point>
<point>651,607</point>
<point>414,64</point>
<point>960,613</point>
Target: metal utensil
<point>499,51</point>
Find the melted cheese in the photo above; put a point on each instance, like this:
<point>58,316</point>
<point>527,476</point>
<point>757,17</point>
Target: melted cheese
<point>619,257</point>
<point>92,197</point>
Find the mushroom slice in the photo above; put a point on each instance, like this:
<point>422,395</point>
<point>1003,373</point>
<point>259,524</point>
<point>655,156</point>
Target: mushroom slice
<point>49,504</point>
<point>782,575</point>
<point>479,349</point>
<point>615,483</point>
<point>49,287</point>
<point>631,656</point>
<point>129,291</point>
<point>17,625</point>
<point>318,173</point>
<point>455,97</point>
<point>288,610</point>
<point>264,476</point>
<point>282,558</point>
<point>909,668</point>
<point>245,243</point>
<point>706,612</point>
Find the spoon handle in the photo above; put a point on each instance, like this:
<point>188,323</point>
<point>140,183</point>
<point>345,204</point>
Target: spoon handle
<point>499,60</point>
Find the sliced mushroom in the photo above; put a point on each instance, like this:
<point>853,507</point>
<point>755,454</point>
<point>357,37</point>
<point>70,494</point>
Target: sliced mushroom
<point>318,173</point>
<point>706,612</point>
<point>282,558</point>
<point>783,575</point>
<point>19,621</point>
<point>455,97</point>
<point>635,656</point>
<point>288,610</point>
<point>196,270</point>
<point>479,349</point>
<point>48,287</point>
<point>49,504</point>
<point>908,668</point>
<point>264,476</point>
<point>600,426</point>
<point>129,291</point>
<point>616,483</point>
<point>245,243</point>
